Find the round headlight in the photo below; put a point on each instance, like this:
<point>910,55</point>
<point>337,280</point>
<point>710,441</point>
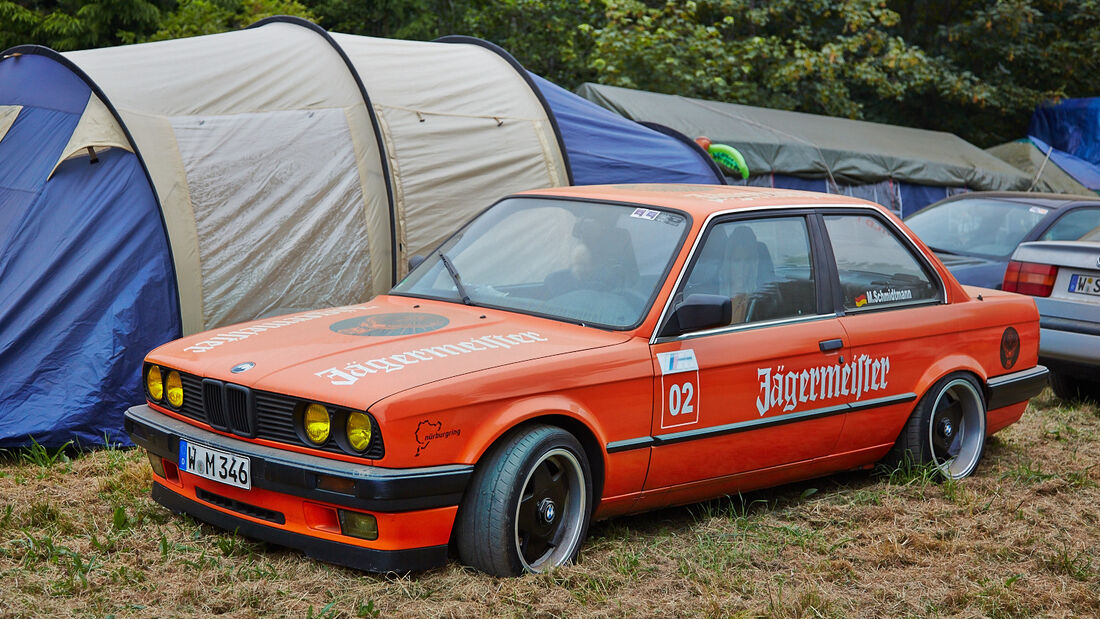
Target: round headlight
<point>316,423</point>
<point>359,428</point>
<point>154,384</point>
<point>174,387</point>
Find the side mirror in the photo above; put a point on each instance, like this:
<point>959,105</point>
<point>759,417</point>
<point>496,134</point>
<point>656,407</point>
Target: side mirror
<point>698,312</point>
<point>415,261</point>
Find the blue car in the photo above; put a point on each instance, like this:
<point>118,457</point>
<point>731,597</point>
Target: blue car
<point>974,234</point>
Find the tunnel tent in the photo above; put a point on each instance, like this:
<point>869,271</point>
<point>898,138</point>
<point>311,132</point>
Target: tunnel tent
<point>194,183</point>
<point>82,251</point>
<point>900,167</point>
<point>1041,165</point>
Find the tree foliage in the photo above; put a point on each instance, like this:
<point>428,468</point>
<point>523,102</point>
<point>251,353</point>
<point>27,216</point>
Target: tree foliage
<point>973,67</point>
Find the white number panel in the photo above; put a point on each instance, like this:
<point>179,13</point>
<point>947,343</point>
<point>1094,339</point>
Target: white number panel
<point>680,401</point>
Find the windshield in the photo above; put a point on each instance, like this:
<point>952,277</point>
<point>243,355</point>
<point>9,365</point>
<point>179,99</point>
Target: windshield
<point>583,262</point>
<point>978,226</point>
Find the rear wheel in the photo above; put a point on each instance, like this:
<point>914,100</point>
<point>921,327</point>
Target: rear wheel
<point>528,505</point>
<point>1069,387</point>
<point>946,429</point>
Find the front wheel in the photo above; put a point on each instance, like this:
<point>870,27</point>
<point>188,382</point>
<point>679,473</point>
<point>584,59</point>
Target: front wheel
<point>946,429</point>
<point>528,505</point>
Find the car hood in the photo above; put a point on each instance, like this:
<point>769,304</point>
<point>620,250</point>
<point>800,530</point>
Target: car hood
<point>355,355</point>
<point>975,270</point>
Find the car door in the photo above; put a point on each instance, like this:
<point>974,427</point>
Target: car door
<point>758,392</point>
<point>891,304</point>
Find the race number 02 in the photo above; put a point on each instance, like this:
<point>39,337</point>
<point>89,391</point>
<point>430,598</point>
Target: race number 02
<point>679,388</point>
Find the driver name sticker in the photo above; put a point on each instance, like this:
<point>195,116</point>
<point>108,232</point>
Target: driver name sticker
<point>679,388</point>
<point>883,296</point>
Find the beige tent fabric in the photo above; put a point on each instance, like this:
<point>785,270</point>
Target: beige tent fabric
<point>97,129</point>
<point>1025,156</point>
<point>8,114</point>
<point>461,129</point>
<point>234,129</point>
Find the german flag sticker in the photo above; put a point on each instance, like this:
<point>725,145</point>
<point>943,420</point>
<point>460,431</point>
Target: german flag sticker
<point>861,300</point>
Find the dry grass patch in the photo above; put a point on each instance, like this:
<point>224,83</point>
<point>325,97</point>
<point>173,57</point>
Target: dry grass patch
<point>1019,538</point>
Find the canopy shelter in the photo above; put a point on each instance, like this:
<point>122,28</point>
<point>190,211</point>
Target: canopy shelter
<point>1041,163</point>
<point>154,190</point>
<point>899,167</point>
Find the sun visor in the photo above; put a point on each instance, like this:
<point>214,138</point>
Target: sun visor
<point>96,132</point>
<point>8,114</point>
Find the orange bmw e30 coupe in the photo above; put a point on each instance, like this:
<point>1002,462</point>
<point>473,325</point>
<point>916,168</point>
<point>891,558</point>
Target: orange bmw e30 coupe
<point>580,353</point>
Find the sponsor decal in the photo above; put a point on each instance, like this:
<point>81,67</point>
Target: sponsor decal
<point>242,367</point>
<point>1010,348</point>
<point>678,361</point>
<point>382,325</point>
<point>243,333</point>
<point>351,372</point>
<point>680,386</point>
<point>787,390</point>
<point>645,213</point>
<point>884,296</point>
<point>428,431</point>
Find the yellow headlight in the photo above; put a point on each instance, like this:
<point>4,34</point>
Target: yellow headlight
<point>174,386</point>
<point>154,383</point>
<point>316,423</point>
<point>358,431</point>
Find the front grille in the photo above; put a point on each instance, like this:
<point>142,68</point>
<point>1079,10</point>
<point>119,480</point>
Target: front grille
<point>256,414</point>
<point>240,507</point>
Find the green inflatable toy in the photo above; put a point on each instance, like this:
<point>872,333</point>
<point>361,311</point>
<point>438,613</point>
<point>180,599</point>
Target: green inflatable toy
<point>730,158</point>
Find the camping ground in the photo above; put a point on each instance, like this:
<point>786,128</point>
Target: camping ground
<point>79,536</point>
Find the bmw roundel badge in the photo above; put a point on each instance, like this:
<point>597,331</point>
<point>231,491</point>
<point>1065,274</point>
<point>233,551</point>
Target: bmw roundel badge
<point>242,367</point>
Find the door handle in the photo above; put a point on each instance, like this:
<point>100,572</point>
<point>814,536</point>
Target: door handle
<point>828,345</point>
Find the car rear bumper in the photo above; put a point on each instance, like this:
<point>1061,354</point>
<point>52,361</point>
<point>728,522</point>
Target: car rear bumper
<point>299,500</point>
<point>1016,387</point>
<point>1070,342</point>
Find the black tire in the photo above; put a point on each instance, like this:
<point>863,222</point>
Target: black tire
<point>946,429</point>
<point>1071,388</point>
<point>528,505</point>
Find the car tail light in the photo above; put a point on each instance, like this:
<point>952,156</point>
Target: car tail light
<point>1036,280</point>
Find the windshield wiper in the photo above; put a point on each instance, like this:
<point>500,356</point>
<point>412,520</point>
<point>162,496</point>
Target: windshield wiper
<point>943,251</point>
<point>454,275</point>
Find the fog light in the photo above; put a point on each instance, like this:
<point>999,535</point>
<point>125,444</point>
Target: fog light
<point>154,384</point>
<point>316,423</point>
<point>357,524</point>
<point>174,387</point>
<point>158,467</point>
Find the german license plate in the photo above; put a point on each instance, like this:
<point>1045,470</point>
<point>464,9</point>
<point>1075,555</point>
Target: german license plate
<point>215,464</point>
<point>1084,284</point>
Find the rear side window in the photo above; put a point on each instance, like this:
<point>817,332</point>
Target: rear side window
<point>1074,225</point>
<point>876,268</point>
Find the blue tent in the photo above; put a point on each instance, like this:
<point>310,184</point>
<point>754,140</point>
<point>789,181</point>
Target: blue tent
<point>1071,126</point>
<point>83,254</point>
<point>603,147</point>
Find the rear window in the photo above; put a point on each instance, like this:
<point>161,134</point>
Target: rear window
<point>979,226</point>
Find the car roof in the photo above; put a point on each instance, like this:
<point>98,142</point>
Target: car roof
<point>700,200</point>
<point>1048,200</point>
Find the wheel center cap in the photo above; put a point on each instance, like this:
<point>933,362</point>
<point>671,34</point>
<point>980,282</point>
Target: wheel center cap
<point>547,511</point>
<point>946,428</point>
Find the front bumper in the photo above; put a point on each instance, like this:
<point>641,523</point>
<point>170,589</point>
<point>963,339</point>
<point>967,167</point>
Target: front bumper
<point>415,508</point>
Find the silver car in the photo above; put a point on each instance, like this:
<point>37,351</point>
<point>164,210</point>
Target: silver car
<point>1064,278</point>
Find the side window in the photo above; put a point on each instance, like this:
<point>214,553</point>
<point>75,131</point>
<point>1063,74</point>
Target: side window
<point>762,265</point>
<point>1074,225</point>
<point>876,269</point>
